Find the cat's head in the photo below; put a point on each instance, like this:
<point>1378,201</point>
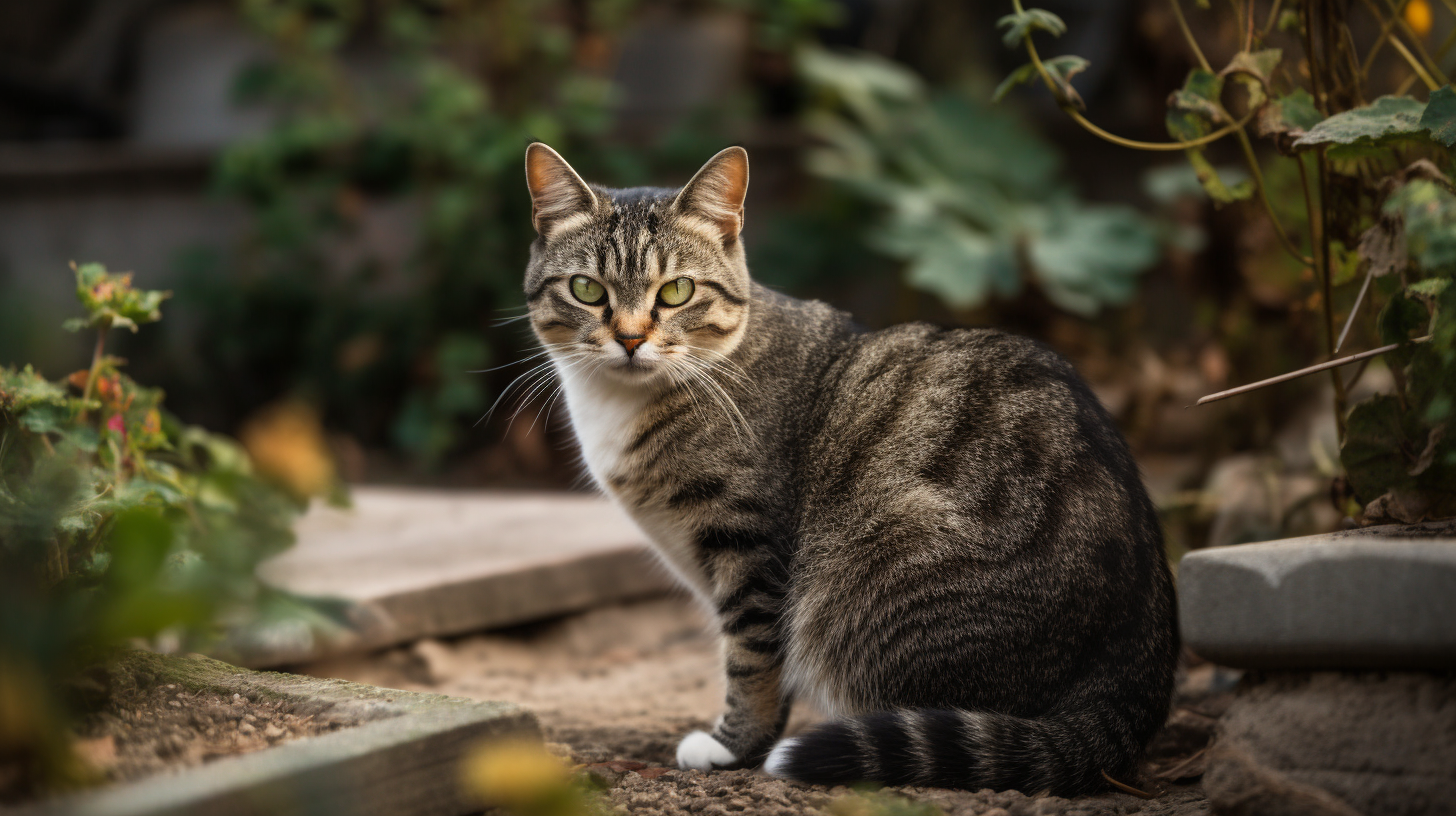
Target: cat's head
<point>638,285</point>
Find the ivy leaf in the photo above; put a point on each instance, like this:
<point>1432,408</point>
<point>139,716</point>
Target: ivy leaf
<point>1428,212</point>
<point>1384,120</point>
<point>1253,69</point>
<point>1439,118</point>
<point>1019,26</point>
<point>1084,257</point>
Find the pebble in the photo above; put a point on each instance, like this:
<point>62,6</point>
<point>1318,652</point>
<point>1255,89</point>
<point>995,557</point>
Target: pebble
<point>174,704</point>
<point>246,728</point>
<point>273,731</point>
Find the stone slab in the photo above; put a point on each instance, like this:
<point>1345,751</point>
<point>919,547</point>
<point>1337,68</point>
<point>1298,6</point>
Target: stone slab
<point>1336,744</point>
<point>421,563</point>
<point>397,752</point>
<point>1378,598</point>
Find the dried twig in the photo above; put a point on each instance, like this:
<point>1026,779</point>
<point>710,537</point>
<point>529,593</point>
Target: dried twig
<point>1126,788</point>
<point>1293,375</point>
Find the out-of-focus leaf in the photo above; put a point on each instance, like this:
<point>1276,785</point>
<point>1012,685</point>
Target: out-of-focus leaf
<point>1439,117</point>
<point>1019,26</point>
<point>1428,213</point>
<point>1375,433</point>
<point>1254,69</point>
<point>111,301</point>
<point>1062,69</point>
<point>1286,118</point>
<point>1193,110</point>
<point>1213,183</point>
<point>1021,75</point>
<point>1382,247</point>
<point>1086,257</point>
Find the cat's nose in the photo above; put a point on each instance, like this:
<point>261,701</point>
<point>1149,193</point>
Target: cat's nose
<point>630,342</point>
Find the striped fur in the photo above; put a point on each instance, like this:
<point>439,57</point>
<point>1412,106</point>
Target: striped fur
<point>936,536</point>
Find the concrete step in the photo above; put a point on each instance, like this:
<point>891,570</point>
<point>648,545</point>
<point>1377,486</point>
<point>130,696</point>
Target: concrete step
<point>1373,598</point>
<point>427,563</point>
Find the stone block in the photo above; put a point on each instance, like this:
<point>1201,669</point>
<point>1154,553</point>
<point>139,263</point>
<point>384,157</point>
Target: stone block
<point>1378,598</point>
<point>429,563</point>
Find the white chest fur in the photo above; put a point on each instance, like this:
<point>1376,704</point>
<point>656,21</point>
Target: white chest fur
<point>607,416</point>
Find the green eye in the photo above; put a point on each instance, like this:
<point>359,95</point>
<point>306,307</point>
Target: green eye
<point>677,292</point>
<point>587,290</point>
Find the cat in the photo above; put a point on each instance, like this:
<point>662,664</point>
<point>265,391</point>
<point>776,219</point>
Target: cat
<point>935,536</point>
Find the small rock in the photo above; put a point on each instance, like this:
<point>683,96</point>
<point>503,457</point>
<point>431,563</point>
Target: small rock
<point>246,728</point>
<point>174,703</point>
<point>273,731</point>
<point>99,753</point>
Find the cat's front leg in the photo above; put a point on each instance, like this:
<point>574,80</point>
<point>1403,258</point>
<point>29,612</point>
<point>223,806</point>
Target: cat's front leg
<point>757,706</point>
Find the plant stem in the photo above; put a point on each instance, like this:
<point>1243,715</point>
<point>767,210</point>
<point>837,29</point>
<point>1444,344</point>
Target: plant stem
<point>1188,35</point>
<point>1087,125</point>
<point>1258,175</point>
<point>1415,39</point>
<point>1410,58</point>
<point>1327,288</point>
<point>96,355</point>
<point>1272,21</point>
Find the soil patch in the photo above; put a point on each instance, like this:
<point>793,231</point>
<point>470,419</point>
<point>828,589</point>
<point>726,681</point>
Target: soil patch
<point>142,731</point>
<point>617,687</point>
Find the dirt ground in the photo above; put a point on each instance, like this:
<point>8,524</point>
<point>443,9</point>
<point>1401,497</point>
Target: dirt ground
<point>626,682</point>
<point>142,731</point>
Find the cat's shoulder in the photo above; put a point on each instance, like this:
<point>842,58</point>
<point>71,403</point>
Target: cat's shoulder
<point>983,351</point>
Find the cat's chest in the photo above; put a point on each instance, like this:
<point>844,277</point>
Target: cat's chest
<point>607,418</point>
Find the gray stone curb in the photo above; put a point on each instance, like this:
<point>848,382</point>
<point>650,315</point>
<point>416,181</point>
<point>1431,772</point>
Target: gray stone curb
<point>1379,598</point>
<point>397,752</point>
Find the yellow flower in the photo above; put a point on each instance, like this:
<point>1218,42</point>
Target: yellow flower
<point>1418,17</point>
<point>518,775</point>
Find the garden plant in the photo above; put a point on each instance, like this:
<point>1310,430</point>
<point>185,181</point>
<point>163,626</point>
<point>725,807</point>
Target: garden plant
<point>1378,215</point>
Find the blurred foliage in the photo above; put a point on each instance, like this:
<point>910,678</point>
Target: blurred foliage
<point>1380,172</point>
<point>972,200</point>
<point>521,778</point>
<point>390,221</point>
<point>116,522</point>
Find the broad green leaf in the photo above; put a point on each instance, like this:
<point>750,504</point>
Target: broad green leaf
<point>23,389</point>
<point>1430,287</point>
<point>1387,118</point>
<point>964,268</point>
<point>1439,118</point>
<point>1085,257</point>
<point>1286,118</point>
<point>1019,26</point>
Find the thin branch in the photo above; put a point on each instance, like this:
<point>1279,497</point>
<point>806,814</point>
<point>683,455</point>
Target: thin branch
<point>1354,310</point>
<point>1272,21</point>
<point>1258,174</point>
<point>1410,58</point>
<point>1304,372</point>
<point>1126,788</point>
<point>1188,35</point>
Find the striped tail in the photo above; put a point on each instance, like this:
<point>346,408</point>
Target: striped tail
<point>970,750</point>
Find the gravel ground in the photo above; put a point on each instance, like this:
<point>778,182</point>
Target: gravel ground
<point>617,687</point>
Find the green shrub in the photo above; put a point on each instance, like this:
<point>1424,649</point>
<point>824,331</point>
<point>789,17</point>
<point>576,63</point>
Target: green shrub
<point>117,523</point>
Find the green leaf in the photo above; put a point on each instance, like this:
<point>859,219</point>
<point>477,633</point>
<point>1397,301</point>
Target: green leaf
<point>1430,287</point>
<point>1087,257</point>
<point>1193,110</point>
<point>1375,433</point>
<point>1439,118</point>
<point>25,389</point>
<point>1287,118</point>
<point>1062,69</point>
<point>1213,183</point>
<point>1386,119</point>
<point>111,301</point>
<point>1021,75</point>
<point>1019,26</point>
<point>1428,212</point>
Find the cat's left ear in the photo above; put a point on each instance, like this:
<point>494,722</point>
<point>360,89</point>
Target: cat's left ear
<point>716,193</point>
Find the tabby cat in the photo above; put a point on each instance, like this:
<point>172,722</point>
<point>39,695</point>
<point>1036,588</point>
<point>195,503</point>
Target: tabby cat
<point>935,536</point>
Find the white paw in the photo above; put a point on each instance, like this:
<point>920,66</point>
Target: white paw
<point>778,758</point>
<point>700,752</point>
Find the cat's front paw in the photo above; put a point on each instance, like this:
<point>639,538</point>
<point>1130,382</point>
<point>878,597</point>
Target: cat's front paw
<point>700,751</point>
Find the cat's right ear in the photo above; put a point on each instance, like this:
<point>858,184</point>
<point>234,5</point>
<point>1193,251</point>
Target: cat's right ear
<point>558,195</point>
